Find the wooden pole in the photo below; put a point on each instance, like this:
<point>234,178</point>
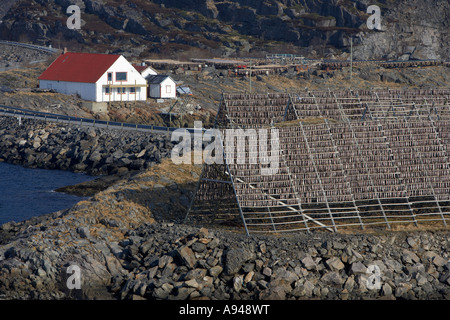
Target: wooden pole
<point>351,57</point>
<point>251,77</point>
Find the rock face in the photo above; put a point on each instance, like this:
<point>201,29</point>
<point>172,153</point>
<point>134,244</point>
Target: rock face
<point>6,5</point>
<point>415,29</point>
<point>91,150</point>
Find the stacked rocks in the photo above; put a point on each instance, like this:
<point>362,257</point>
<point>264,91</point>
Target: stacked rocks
<point>91,150</point>
<point>167,261</point>
<point>216,265</point>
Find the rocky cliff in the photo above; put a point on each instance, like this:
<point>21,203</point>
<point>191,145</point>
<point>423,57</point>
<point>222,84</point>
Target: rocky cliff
<point>415,29</point>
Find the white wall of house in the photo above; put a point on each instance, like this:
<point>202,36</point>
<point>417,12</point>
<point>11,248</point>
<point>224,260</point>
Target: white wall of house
<point>167,89</point>
<point>149,72</point>
<point>85,90</point>
<point>132,77</point>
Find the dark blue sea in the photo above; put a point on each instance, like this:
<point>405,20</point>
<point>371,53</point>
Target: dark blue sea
<point>25,193</point>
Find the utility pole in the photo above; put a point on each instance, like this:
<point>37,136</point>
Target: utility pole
<point>251,77</point>
<point>351,57</point>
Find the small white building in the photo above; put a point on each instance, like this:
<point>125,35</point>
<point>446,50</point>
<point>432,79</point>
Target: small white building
<point>145,70</point>
<point>95,77</point>
<point>162,87</point>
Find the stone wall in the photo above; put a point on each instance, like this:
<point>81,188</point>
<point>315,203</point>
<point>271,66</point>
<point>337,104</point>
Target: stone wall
<point>95,151</point>
<point>205,264</point>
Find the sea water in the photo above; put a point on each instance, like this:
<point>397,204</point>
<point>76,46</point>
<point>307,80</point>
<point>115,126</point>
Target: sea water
<point>25,193</point>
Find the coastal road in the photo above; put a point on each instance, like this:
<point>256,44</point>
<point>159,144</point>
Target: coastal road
<point>29,46</point>
<point>21,113</point>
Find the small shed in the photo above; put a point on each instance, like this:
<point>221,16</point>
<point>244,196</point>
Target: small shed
<point>162,87</point>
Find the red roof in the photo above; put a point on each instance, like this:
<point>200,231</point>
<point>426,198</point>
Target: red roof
<point>139,68</point>
<point>79,67</point>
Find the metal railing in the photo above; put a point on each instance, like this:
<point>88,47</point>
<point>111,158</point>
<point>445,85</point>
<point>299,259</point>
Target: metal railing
<point>105,124</point>
<point>29,46</point>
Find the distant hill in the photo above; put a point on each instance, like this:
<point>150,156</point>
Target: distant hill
<point>413,29</point>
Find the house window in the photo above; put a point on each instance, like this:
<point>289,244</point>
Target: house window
<point>121,76</point>
<point>110,76</point>
<point>168,89</point>
<point>107,90</point>
<point>121,90</point>
<point>132,90</point>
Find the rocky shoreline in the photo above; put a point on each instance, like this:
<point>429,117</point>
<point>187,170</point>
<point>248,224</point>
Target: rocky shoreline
<point>95,151</point>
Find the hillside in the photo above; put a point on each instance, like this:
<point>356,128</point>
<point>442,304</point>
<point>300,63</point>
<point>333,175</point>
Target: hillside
<point>415,29</point>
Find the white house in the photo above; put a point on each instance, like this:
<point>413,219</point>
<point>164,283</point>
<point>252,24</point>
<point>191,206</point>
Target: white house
<point>95,77</point>
<point>145,70</point>
<point>162,87</point>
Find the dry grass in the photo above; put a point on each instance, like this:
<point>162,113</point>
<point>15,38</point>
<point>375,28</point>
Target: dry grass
<point>179,173</point>
<point>124,204</point>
